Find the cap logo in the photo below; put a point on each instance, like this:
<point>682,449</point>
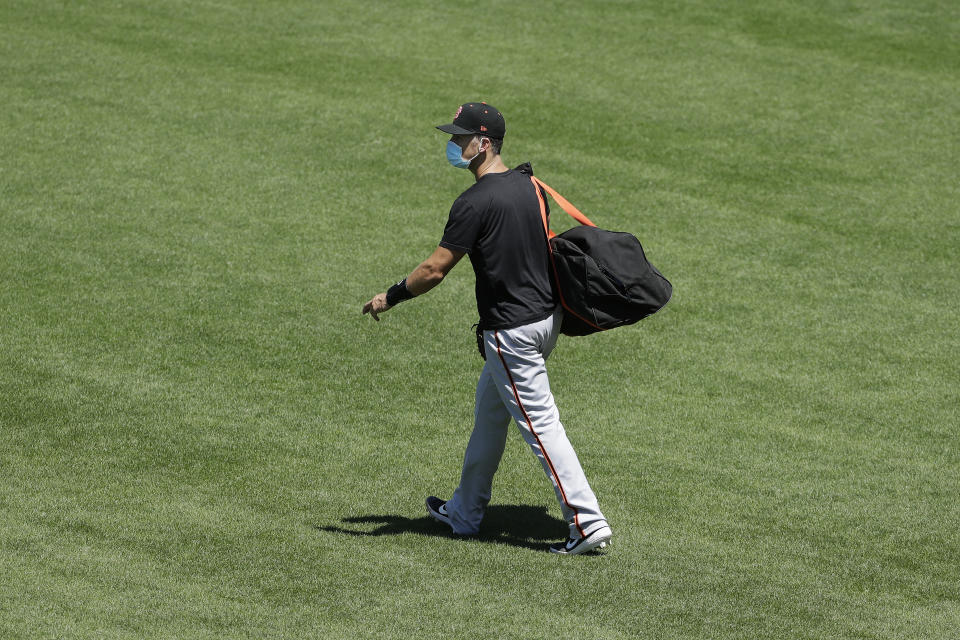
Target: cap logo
<point>457,114</point>
<point>482,128</point>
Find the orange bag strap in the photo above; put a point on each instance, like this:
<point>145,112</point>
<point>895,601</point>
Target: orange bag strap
<point>543,209</point>
<point>571,210</point>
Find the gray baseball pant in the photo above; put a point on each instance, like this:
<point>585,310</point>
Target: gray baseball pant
<point>514,384</point>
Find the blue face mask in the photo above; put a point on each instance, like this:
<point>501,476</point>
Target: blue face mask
<point>455,156</point>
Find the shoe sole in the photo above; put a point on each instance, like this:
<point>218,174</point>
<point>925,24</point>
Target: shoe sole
<point>588,545</point>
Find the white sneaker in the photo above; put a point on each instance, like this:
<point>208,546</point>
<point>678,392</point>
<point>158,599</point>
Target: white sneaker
<point>599,539</point>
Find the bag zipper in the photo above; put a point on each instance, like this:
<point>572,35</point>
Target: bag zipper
<point>622,288</point>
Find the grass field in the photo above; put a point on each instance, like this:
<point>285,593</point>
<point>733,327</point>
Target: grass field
<point>201,437</point>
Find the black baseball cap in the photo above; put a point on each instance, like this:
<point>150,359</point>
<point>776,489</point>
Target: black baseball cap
<point>477,118</point>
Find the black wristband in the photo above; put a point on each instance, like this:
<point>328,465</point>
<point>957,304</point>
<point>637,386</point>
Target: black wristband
<point>398,293</point>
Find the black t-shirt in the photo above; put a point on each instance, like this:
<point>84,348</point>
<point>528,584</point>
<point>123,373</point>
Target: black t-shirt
<point>497,222</point>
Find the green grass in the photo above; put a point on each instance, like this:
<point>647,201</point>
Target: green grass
<point>200,436</point>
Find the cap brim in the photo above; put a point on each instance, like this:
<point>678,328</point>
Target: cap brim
<point>453,129</point>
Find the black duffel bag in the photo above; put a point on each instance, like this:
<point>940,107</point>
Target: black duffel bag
<point>603,277</point>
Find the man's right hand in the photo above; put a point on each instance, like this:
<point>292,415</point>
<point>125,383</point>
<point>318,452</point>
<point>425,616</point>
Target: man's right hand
<point>376,305</point>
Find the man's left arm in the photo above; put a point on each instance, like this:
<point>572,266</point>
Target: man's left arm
<point>429,274</point>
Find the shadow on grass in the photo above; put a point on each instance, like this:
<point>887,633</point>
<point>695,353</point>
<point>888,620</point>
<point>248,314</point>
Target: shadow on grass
<point>516,525</point>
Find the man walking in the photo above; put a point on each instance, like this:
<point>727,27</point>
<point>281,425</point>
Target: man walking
<point>497,221</point>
